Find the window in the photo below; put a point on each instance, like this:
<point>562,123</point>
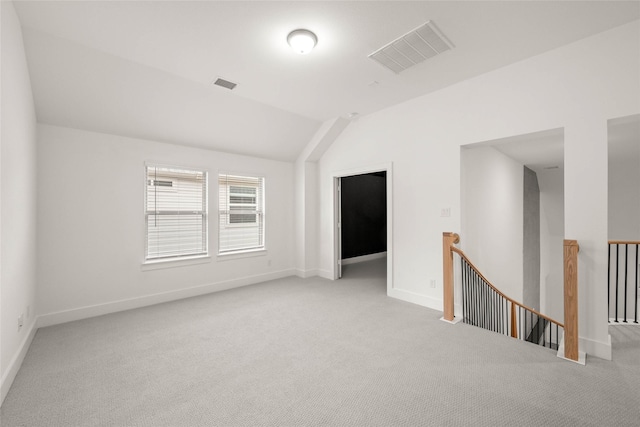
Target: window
<point>175,213</point>
<point>241,204</point>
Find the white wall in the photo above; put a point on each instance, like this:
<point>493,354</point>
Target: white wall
<point>578,87</point>
<point>551,184</point>
<point>17,201</point>
<point>306,196</point>
<point>624,198</point>
<point>492,220</point>
<point>91,224</point>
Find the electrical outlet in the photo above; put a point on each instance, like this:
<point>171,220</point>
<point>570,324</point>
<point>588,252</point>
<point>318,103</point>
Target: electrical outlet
<point>445,212</point>
<point>432,283</point>
<point>269,263</point>
<point>28,312</point>
<point>20,321</point>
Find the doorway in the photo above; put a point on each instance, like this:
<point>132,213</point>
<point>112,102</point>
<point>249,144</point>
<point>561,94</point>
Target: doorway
<point>363,218</point>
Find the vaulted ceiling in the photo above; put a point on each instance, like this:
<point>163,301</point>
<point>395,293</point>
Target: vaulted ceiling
<point>144,69</point>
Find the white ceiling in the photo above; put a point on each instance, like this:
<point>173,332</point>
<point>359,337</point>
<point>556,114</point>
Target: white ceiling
<point>144,69</point>
<point>543,150</point>
<point>538,151</point>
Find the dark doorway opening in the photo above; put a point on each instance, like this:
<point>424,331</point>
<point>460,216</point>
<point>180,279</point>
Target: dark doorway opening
<point>364,215</point>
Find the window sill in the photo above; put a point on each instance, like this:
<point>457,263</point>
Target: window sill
<point>242,254</point>
<point>172,263</point>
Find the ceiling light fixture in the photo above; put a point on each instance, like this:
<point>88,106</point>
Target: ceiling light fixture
<point>302,41</point>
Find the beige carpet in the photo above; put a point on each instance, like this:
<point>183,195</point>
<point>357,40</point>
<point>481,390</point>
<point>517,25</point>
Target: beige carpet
<point>297,352</point>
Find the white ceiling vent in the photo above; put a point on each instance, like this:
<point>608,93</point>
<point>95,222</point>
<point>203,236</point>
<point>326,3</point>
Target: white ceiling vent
<point>412,48</point>
<point>225,83</point>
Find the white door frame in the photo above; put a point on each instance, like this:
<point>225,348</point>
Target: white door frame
<point>337,238</point>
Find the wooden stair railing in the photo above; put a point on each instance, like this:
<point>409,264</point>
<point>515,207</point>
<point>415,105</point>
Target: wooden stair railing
<point>485,306</point>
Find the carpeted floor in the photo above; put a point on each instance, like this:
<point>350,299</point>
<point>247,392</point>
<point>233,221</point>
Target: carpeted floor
<point>296,352</point>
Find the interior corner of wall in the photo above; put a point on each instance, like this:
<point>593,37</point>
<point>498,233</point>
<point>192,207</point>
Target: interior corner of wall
<point>326,134</point>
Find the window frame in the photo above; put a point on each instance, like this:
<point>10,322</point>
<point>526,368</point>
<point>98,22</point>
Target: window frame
<point>187,258</point>
<point>260,213</point>
<point>230,204</point>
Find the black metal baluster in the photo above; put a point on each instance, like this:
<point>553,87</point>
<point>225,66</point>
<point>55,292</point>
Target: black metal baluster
<point>466,266</point>
<point>485,309</point>
<point>487,290</point>
<point>472,282</point>
<point>463,266</point>
<point>635,316</point>
<point>485,303</point>
<point>464,290</point>
<point>617,257</point>
<point>477,304</point>
<point>609,286</point>
<point>487,312</point>
<point>470,295</point>
<point>493,311</point>
<point>490,295</point>
<point>500,313</point>
<point>473,298</point>
<point>626,262</point>
<point>496,298</point>
<point>483,312</point>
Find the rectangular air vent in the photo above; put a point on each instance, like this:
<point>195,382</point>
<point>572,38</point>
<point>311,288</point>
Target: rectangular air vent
<point>225,83</point>
<point>412,48</point>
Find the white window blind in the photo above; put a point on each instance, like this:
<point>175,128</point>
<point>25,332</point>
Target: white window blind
<point>241,208</point>
<point>176,213</point>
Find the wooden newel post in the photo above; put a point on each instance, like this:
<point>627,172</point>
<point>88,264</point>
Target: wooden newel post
<point>571,249</point>
<point>448,240</point>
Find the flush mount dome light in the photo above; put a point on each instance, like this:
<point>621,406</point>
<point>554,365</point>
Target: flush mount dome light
<point>302,41</point>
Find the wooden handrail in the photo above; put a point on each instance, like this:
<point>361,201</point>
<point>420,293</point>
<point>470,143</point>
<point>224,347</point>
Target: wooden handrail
<point>624,242</point>
<point>537,313</point>
<point>571,249</point>
<point>570,325</point>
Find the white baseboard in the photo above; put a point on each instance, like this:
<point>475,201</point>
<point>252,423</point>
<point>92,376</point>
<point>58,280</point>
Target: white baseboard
<point>414,298</point>
<point>453,322</point>
<point>364,258</point>
<point>425,301</point>
<point>596,348</point>
<point>16,362</point>
<point>325,274</point>
<point>303,274</point>
<point>582,356</point>
<point>629,322</point>
<point>146,300</point>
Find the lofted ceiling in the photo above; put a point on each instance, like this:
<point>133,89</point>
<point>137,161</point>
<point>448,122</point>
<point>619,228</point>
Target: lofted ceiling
<point>545,149</point>
<point>144,69</point>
